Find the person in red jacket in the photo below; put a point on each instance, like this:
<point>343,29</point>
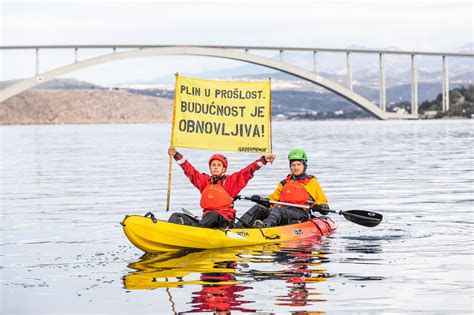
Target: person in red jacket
<point>217,190</point>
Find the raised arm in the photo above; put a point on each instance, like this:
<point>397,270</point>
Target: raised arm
<point>238,180</point>
<point>198,179</point>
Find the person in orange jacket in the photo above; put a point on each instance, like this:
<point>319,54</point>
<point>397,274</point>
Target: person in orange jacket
<point>297,188</point>
<point>217,190</point>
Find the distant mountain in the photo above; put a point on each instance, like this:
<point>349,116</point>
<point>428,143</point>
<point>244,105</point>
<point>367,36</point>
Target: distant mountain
<point>428,87</point>
<point>285,88</point>
<point>360,47</point>
<point>247,69</point>
<point>402,93</point>
<point>83,106</point>
<point>466,49</point>
<point>467,77</point>
<point>68,84</point>
<point>293,102</point>
<point>365,67</point>
<point>282,76</point>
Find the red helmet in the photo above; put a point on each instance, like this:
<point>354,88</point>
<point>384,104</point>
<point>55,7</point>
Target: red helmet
<point>218,157</point>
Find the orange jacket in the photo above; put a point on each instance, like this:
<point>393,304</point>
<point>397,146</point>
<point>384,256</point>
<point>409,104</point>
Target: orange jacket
<point>291,190</point>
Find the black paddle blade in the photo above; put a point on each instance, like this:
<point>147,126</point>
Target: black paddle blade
<point>362,217</point>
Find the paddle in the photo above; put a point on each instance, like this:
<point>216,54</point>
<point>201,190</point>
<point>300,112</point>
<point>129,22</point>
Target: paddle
<point>361,217</point>
<point>226,232</point>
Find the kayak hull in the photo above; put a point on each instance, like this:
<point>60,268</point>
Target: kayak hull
<point>151,235</point>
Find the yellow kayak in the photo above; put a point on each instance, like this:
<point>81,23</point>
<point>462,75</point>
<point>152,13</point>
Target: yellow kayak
<point>151,235</point>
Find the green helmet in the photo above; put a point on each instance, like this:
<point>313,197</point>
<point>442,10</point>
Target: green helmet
<point>297,154</point>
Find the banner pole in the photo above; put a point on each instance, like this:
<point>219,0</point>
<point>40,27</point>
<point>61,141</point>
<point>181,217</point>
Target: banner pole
<point>270,123</point>
<point>170,167</point>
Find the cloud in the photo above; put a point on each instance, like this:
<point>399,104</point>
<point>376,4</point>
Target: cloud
<point>204,22</point>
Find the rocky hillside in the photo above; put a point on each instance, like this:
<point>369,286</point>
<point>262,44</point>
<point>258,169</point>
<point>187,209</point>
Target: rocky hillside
<point>83,106</point>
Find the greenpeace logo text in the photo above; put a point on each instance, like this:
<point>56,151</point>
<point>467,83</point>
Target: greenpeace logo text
<point>251,149</point>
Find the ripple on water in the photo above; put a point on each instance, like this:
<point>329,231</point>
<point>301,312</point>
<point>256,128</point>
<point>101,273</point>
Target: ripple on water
<point>374,237</point>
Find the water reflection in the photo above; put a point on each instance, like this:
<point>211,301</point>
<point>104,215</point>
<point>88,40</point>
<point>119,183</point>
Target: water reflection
<point>220,293</point>
<point>224,275</point>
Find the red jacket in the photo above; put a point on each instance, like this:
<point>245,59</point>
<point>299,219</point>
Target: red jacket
<point>233,183</point>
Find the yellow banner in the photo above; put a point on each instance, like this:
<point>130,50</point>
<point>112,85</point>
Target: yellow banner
<point>218,115</point>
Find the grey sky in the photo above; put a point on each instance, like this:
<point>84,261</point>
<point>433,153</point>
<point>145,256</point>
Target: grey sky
<point>409,25</point>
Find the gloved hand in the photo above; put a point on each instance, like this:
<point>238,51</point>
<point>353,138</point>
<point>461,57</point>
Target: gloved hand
<point>263,160</point>
<point>267,159</point>
<point>261,201</point>
<point>176,155</point>
<point>320,208</point>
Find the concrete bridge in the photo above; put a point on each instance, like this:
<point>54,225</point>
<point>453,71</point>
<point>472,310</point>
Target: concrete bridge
<point>243,53</point>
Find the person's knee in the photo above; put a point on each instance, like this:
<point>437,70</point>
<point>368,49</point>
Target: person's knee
<point>277,211</point>
<point>257,212</point>
<point>262,212</point>
<point>277,217</point>
<point>213,219</point>
<point>255,208</point>
<point>211,216</point>
<point>174,217</point>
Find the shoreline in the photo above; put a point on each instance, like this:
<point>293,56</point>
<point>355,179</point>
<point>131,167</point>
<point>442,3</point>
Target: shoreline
<point>100,106</point>
<point>273,121</point>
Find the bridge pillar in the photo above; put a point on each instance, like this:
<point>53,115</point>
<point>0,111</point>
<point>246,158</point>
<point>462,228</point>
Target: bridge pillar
<point>349,70</point>
<point>445,101</point>
<point>414,86</point>
<point>382,93</point>
<point>315,63</point>
<point>37,61</point>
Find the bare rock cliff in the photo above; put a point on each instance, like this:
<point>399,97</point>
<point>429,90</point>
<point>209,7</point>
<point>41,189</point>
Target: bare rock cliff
<point>84,107</point>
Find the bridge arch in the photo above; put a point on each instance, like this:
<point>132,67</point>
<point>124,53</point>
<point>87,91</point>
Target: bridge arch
<point>201,51</point>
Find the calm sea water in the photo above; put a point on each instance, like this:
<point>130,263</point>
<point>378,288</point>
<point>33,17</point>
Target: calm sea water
<point>64,190</point>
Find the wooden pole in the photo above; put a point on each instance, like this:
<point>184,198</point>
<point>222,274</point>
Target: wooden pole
<point>170,167</point>
<point>270,124</point>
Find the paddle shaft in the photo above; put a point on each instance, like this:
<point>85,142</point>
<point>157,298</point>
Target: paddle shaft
<point>283,203</point>
<point>301,206</point>
<point>361,217</point>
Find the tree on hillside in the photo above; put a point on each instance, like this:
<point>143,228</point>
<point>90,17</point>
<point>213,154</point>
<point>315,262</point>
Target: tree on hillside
<point>461,103</point>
